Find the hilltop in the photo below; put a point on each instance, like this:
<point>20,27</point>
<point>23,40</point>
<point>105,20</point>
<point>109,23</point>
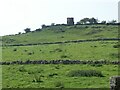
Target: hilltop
<point>62,33</point>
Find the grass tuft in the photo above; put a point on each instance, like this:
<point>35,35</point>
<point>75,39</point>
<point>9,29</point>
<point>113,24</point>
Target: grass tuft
<point>59,84</point>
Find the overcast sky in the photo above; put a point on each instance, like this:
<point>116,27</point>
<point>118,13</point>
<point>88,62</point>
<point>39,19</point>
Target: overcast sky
<point>16,15</point>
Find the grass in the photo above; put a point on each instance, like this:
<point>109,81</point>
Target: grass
<point>53,34</point>
<point>15,78</point>
<point>55,76</point>
<point>72,51</point>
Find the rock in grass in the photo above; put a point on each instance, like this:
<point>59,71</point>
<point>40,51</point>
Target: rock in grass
<point>115,83</point>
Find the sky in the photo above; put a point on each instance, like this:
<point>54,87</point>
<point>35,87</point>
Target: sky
<point>16,15</point>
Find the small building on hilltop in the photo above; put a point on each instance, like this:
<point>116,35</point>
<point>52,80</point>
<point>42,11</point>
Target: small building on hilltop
<point>70,21</point>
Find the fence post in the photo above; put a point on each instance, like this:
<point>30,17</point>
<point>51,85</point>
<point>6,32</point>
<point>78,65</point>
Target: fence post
<point>115,83</point>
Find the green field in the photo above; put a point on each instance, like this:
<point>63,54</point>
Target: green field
<point>56,76</point>
<point>72,51</point>
<point>64,33</point>
<point>14,76</point>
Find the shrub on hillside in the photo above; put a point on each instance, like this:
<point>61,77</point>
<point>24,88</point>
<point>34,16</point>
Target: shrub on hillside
<point>52,74</point>
<point>15,49</point>
<point>37,30</point>
<point>30,53</point>
<point>86,27</point>
<point>22,69</point>
<point>27,30</point>
<point>59,84</point>
<point>34,71</point>
<point>57,67</point>
<point>57,50</point>
<point>43,26</point>
<point>115,55</point>
<point>116,46</point>
<point>37,78</point>
<point>62,36</point>
<point>64,56</point>
<point>25,50</point>
<point>85,73</point>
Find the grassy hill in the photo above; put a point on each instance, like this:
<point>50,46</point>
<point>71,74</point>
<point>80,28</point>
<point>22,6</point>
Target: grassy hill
<point>57,75</point>
<point>64,33</point>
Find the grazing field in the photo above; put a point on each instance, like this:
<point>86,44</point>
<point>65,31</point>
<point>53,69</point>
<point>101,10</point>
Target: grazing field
<point>52,76</point>
<point>61,75</point>
<point>72,51</point>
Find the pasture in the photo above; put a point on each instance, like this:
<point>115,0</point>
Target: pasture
<point>72,51</point>
<point>61,75</point>
<point>48,76</point>
<point>63,33</point>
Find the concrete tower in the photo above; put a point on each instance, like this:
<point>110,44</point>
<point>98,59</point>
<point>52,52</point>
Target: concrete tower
<point>70,21</point>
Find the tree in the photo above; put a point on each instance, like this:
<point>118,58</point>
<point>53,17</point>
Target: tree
<point>89,20</point>
<point>38,29</point>
<point>84,21</point>
<point>27,30</point>
<point>19,32</point>
<point>52,24</point>
<point>43,26</point>
<point>78,23</point>
<point>93,20</point>
<point>103,22</point>
<point>113,21</point>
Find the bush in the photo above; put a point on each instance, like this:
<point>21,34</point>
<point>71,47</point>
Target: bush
<point>37,78</point>
<point>58,50</point>
<point>27,30</point>
<point>44,26</point>
<point>53,74</point>
<point>34,71</point>
<point>38,30</point>
<point>115,55</point>
<point>15,49</point>
<point>62,36</point>
<point>84,73</point>
<point>25,50</point>
<point>59,85</point>
<point>116,46</point>
<point>64,56</point>
<point>86,27</point>
<point>22,69</point>
<point>30,53</point>
<point>57,67</point>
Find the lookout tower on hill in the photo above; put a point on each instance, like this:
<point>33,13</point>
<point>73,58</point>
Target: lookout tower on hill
<point>70,21</point>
